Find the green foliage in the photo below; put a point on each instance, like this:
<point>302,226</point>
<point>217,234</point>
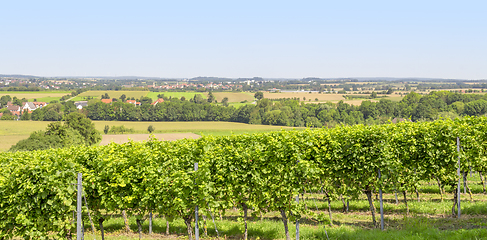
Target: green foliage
<point>4,100</point>
<point>84,126</point>
<point>7,115</point>
<point>121,129</point>
<point>211,98</point>
<point>106,129</point>
<point>262,171</point>
<point>77,130</point>
<point>151,129</point>
<point>259,95</point>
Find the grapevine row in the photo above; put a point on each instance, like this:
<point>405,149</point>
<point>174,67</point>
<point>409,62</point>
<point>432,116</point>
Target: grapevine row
<point>263,172</point>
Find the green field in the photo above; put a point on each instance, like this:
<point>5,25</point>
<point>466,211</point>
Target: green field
<point>111,94</point>
<point>14,131</point>
<point>233,97</point>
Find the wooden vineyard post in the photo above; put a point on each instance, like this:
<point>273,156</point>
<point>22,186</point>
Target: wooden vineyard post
<point>150,222</point>
<point>79,233</point>
<point>381,206</point>
<point>196,229</point>
<point>459,179</point>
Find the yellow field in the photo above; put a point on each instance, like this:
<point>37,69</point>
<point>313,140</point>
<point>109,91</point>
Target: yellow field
<point>115,94</point>
<point>8,141</point>
<point>123,138</point>
<point>234,96</point>
<point>321,96</point>
<point>36,95</point>
<point>195,127</point>
<point>21,127</point>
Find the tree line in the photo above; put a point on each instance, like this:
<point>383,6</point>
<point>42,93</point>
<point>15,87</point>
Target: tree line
<point>291,112</point>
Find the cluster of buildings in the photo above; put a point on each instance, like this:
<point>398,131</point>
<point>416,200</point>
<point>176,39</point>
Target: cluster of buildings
<point>185,85</point>
<point>27,106</point>
<point>81,104</point>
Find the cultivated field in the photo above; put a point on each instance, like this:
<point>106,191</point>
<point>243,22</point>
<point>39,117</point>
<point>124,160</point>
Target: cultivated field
<point>123,138</point>
<point>200,128</point>
<point>186,95</point>
<point>13,131</point>
<point>234,97</point>
<point>322,97</point>
<point>40,96</point>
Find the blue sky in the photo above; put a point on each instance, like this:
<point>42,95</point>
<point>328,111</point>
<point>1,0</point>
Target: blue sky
<point>273,39</point>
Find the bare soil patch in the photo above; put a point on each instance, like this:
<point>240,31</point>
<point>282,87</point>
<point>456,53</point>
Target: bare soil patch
<point>123,138</point>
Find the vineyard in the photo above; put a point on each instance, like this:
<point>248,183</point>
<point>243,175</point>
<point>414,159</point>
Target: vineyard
<point>255,174</point>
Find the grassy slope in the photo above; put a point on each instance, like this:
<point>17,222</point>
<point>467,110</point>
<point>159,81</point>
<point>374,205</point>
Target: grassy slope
<point>428,219</point>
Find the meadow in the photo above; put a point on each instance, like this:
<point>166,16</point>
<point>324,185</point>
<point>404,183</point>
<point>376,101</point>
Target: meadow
<point>40,96</point>
<point>13,131</point>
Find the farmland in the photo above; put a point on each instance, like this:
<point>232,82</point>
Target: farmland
<point>315,97</point>
<point>13,131</point>
<point>234,97</point>
<point>187,95</point>
<point>112,94</point>
<point>40,96</point>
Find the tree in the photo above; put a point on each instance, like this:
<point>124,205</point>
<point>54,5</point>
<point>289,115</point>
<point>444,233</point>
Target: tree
<point>145,100</point>
<point>123,97</point>
<point>25,115</point>
<point>373,95</point>
<point>55,136</point>
<point>211,97</point>
<point>225,101</point>
<point>7,115</point>
<point>390,91</point>
<point>106,129</point>
<point>84,126</point>
<point>17,101</point>
<point>105,96</point>
<point>259,95</point>
<point>4,100</point>
<point>151,129</point>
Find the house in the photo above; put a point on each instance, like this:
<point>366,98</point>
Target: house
<point>81,104</point>
<point>133,102</point>
<point>160,100</point>
<point>13,108</point>
<point>106,101</point>
<point>31,106</point>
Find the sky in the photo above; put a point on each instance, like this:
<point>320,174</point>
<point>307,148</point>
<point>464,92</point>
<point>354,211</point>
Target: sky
<point>270,39</point>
